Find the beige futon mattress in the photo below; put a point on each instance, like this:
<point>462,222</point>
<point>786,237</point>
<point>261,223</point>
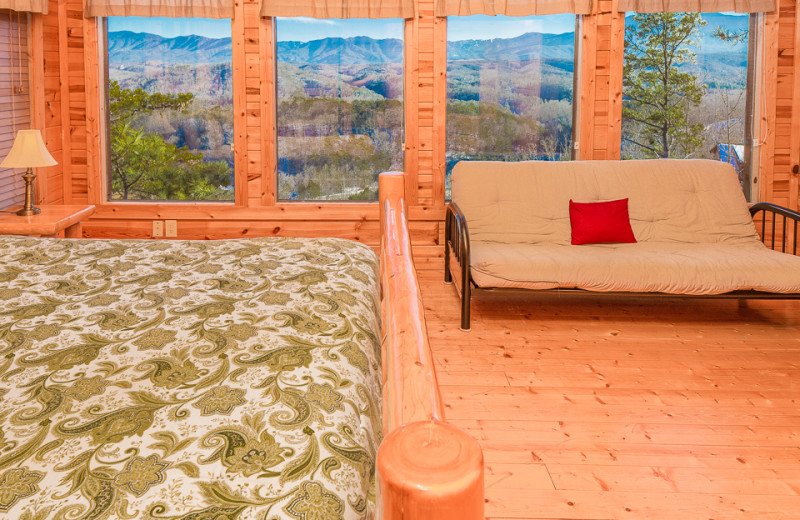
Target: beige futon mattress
<point>668,267</point>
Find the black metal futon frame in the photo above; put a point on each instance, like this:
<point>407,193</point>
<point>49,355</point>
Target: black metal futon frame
<point>456,244</point>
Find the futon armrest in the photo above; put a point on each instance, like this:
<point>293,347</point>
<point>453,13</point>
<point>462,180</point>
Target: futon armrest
<point>456,238</point>
<point>774,208</point>
<point>771,212</point>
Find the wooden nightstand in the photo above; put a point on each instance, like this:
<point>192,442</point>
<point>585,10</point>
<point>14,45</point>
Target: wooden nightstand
<point>49,223</point>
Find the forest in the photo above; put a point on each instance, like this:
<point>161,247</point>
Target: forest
<point>339,125</point>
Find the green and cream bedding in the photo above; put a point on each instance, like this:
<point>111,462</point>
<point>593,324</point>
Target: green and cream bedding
<point>188,379</point>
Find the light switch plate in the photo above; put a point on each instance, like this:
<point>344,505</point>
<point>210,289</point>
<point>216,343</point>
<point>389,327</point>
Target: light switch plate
<point>171,228</point>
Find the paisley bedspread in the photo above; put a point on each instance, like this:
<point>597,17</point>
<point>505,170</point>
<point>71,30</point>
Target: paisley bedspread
<point>203,380</point>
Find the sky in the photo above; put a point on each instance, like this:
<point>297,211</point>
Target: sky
<point>289,29</point>
<point>308,29</point>
<point>482,27</point>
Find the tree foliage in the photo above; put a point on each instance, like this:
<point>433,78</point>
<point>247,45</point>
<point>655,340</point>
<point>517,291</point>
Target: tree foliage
<point>144,166</point>
<point>657,94</point>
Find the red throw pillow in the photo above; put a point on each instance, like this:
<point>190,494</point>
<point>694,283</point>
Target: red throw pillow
<point>600,222</point>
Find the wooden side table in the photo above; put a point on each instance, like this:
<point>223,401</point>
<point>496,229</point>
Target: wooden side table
<point>49,223</point>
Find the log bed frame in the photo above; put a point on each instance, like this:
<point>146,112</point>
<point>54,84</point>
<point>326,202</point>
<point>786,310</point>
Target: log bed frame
<point>457,262</point>
<point>427,468</point>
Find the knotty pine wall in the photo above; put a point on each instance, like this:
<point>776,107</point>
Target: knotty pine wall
<point>67,104</point>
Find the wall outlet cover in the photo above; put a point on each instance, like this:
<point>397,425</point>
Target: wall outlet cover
<point>158,228</point>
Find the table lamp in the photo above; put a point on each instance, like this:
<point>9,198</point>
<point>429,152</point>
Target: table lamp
<point>28,151</point>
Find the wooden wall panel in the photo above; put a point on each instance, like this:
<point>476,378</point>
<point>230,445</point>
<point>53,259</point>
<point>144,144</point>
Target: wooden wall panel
<point>602,41</point>
<point>780,152</point>
<point>48,107</point>
<point>68,62</point>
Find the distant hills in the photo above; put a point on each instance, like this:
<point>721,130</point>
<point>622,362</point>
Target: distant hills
<point>529,46</point>
<point>130,47</point>
<point>347,51</point>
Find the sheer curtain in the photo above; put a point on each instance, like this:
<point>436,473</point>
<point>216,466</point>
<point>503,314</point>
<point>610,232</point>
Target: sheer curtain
<point>31,6</point>
<point>511,7</point>
<point>702,6</point>
<point>339,8</point>
<point>167,8</point>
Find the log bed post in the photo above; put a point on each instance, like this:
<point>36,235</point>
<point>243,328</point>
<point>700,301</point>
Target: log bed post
<point>427,468</point>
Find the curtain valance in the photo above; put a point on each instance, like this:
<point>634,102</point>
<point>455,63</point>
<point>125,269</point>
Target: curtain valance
<point>511,7</point>
<point>167,8</point>
<point>702,6</point>
<point>30,6</point>
<point>339,8</point>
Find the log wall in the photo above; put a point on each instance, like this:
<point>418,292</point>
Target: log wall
<point>69,107</point>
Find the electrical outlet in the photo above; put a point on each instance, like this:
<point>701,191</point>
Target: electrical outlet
<point>158,228</point>
<point>171,228</point>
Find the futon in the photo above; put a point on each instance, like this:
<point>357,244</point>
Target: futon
<point>686,230</point>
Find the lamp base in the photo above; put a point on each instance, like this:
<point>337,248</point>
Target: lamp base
<point>27,208</point>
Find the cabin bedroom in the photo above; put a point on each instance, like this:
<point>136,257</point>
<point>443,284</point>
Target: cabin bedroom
<point>399,259</point>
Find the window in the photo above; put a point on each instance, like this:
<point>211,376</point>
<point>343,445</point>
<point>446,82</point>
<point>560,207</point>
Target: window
<point>509,88</point>
<point>14,99</point>
<point>170,98</point>
<point>340,106</point>
<point>699,104</point>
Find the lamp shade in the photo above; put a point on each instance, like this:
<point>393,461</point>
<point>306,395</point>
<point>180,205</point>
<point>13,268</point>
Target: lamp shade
<point>28,151</point>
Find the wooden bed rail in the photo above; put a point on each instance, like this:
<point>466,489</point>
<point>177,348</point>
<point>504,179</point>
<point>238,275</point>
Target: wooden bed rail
<point>427,468</point>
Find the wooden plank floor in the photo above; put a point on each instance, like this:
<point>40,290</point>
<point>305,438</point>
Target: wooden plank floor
<point>641,409</point>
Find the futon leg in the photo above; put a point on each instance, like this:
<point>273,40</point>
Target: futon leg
<point>448,276</point>
<point>465,298</point>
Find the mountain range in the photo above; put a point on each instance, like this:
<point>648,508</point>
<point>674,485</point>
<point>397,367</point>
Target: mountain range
<point>131,47</point>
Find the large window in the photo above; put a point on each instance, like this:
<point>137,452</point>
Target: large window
<point>509,88</point>
<point>340,106</point>
<point>687,88</point>
<point>170,92</point>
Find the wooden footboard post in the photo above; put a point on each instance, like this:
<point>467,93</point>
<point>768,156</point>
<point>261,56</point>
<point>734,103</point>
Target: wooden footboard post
<point>427,468</point>
<point>430,470</point>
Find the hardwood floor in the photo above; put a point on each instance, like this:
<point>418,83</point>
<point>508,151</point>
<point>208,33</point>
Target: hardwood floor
<point>640,409</point>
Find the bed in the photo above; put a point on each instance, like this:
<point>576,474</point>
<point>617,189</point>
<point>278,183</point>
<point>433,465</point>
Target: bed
<point>216,380</point>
